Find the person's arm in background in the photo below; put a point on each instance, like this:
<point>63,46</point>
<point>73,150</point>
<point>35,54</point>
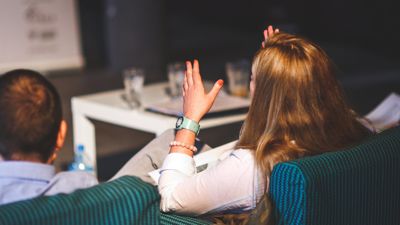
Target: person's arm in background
<point>179,164</point>
<point>269,32</point>
<point>196,103</point>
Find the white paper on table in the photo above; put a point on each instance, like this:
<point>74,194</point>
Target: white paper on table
<point>204,160</point>
<point>223,102</point>
<point>386,114</point>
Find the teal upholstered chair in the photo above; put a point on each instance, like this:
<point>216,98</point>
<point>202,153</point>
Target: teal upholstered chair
<point>360,185</point>
<point>125,201</point>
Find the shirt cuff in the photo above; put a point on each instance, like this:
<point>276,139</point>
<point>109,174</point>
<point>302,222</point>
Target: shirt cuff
<point>180,162</point>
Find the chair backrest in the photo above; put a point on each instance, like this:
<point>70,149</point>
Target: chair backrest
<point>108,203</point>
<point>359,185</point>
<point>124,201</point>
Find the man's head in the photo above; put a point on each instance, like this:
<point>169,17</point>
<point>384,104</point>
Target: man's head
<point>31,125</point>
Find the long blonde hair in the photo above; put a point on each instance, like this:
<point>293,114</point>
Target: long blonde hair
<point>298,108</point>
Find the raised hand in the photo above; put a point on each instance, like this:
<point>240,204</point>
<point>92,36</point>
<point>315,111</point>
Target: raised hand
<point>196,102</point>
<point>268,33</point>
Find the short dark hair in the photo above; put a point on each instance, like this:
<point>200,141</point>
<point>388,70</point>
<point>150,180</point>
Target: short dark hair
<point>30,114</point>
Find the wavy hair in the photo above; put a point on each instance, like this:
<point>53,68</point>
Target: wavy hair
<point>298,108</point>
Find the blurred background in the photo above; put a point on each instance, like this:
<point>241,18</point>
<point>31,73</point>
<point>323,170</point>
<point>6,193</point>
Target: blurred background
<point>360,36</point>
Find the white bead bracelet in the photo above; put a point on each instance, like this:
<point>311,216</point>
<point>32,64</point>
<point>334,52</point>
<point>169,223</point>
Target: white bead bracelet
<point>181,144</point>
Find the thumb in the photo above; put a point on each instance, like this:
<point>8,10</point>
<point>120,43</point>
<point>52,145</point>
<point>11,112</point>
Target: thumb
<point>216,88</point>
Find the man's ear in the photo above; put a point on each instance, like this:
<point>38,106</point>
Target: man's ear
<point>62,132</point>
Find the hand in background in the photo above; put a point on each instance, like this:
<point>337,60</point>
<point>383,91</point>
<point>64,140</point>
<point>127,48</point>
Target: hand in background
<point>268,33</point>
<point>196,102</point>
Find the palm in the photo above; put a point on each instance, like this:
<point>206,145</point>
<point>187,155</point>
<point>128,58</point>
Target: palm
<point>196,102</point>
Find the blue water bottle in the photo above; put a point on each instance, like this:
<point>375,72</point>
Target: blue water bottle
<point>78,164</point>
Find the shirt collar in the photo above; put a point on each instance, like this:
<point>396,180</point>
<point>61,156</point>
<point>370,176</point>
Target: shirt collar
<point>26,170</point>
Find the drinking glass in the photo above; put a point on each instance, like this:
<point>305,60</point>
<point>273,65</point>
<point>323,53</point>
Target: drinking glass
<point>176,75</point>
<point>238,74</point>
<point>133,84</point>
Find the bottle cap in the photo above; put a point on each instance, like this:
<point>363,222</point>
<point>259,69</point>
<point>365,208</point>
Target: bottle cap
<point>80,148</point>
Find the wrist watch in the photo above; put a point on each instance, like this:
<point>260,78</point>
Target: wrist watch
<point>186,123</point>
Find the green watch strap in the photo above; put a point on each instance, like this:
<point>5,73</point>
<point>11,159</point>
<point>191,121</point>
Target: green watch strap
<point>186,123</point>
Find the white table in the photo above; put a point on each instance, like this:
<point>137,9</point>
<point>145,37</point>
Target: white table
<point>109,107</point>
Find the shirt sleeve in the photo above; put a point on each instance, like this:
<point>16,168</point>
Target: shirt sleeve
<point>228,185</point>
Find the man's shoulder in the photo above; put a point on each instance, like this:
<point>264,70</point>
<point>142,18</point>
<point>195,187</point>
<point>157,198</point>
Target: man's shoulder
<point>75,175</point>
<point>69,181</point>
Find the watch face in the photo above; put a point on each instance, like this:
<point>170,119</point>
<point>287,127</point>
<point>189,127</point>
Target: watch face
<point>179,122</point>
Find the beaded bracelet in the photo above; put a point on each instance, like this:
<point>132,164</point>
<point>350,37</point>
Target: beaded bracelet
<point>181,144</point>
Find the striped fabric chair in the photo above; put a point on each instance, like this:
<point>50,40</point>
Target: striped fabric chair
<point>358,186</point>
<point>124,201</point>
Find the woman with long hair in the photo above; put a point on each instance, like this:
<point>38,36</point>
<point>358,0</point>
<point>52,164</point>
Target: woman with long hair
<point>297,109</point>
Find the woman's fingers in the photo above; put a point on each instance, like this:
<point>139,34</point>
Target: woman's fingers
<point>265,34</point>
<point>270,31</point>
<point>189,73</point>
<point>185,83</point>
<point>196,102</point>
<point>215,90</point>
<point>196,72</point>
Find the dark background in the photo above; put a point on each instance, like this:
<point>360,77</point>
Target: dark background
<point>360,36</point>
<point>364,24</point>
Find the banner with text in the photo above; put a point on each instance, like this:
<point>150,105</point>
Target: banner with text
<point>39,34</point>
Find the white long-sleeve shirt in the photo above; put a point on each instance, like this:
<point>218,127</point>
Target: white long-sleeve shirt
<point>233,185</point>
